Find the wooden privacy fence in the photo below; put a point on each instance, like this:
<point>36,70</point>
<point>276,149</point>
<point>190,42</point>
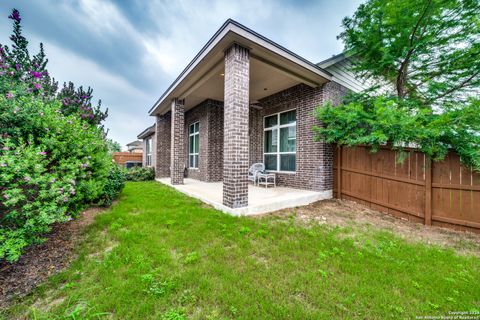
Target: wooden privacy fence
<point>122,157</point>
<point>439,193</point>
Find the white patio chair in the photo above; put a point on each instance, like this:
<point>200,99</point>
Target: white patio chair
<point>254,170</point>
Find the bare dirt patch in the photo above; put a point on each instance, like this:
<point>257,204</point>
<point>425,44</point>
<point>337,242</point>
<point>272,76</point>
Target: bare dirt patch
<point>41,261</point>
<point>344,213</point>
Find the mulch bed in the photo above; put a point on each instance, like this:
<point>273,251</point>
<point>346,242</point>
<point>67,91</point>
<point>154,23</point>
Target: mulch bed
<point>43,260</point>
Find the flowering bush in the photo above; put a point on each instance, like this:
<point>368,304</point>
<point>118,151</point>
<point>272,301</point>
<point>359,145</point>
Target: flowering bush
<point>54,166</point>
<point>140,174</point>
<point>53,161</point>
<point>115,183</point>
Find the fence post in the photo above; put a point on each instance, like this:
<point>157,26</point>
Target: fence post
<point>339,171</point>
<point>428,191</point>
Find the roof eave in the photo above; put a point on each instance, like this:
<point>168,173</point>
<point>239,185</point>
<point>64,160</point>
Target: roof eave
<point>242,31</point>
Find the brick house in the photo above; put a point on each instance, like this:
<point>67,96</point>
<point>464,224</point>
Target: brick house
<point>244,99</point>
<point>135,146</point>
<point>149,146</point>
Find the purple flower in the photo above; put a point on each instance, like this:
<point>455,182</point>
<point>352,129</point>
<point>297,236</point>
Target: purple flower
<point>5,148</point>
<point>37,75</point>
<point>37,86</point>
<point>43,153</point>
<point>53,180</point>
<point>8,95</point>
<point>17,66</point>
<point>26,179</point>
<point>65,199</point>
<point>72,192</point>
<point>61,190</point>
<point>84,165</point>
<point>6,196</point>
<point>3,164</point>
<point>15,16</point>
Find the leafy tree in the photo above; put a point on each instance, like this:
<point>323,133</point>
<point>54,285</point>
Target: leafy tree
<point>78,101</point>
<point>429,49</point>
<point>54,156</point>
<point>382,120</point>
<point>18,65</point>
<point>113,146</point>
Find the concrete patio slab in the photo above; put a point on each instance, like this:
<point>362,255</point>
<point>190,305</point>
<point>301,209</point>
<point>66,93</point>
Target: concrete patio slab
<point>260,199</point>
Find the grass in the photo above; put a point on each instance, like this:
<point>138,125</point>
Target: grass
<point>158,254</point>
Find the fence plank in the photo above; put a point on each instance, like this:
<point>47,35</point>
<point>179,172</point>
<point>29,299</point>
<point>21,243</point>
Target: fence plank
<point>428,192</point>
<point>339,172</point>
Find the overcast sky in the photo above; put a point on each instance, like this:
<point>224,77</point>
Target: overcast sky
<point>130,51</point>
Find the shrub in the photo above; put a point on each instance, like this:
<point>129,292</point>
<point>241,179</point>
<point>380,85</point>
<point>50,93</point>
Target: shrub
<point>53,161</point>
<point>140,174</point>
<point>113,187</point>
<point>381,120</point>
<point>55,166</point>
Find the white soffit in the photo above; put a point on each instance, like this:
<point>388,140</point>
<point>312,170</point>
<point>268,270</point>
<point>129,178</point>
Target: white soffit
<point>210,62</point>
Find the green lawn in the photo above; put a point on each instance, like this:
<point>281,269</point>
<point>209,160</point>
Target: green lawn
<point>158,254</point>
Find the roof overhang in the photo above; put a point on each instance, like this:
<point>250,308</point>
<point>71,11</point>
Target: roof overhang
<point>210,62</point>
<point>134,143</point>
<point>332,60</point>
<point>147,132</point>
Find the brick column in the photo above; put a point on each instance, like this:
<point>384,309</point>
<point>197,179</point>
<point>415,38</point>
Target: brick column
<point>236,148</point>
<point>177,159</point>
<point>163,140</point>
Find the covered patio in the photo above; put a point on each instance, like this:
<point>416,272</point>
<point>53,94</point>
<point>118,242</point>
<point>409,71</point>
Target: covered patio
<point>260,199</point>
<point>243,100</point>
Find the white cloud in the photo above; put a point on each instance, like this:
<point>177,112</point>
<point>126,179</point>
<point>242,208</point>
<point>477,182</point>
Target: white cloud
<point>127,105</point>
<point>129,58</point>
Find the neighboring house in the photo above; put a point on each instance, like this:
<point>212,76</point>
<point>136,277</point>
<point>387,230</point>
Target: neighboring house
<point>149,146</point>
<point>244,99</point>
<point>135,146</point>
<point>127,159</point>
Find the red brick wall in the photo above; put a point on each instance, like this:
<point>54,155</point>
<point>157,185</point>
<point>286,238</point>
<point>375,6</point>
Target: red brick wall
<point>314,160</point>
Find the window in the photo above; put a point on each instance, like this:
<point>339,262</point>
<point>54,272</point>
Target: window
<point>148,150</point>
<point>280,141</point>
<point>193,144</point>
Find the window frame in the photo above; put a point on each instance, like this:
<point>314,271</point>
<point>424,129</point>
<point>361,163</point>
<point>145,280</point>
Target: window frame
<point>278,153</point>
<point>148,152</point>
<point>196,136</point>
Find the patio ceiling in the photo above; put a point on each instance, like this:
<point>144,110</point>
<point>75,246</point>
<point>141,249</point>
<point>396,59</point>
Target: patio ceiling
<point>272,69</point>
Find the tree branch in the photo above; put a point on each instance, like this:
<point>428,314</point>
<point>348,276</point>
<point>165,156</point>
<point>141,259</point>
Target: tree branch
<point>455,88</point>
<point>401,73</point>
